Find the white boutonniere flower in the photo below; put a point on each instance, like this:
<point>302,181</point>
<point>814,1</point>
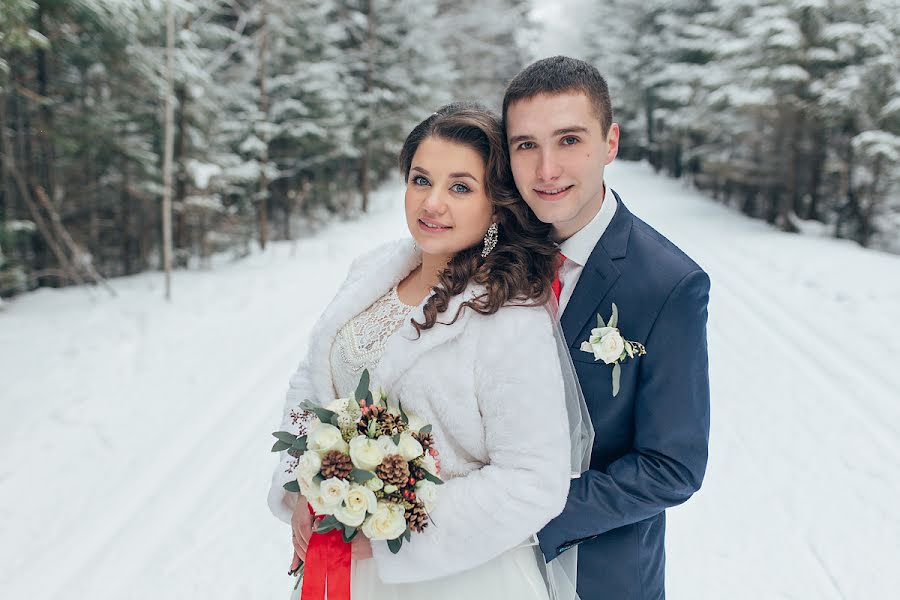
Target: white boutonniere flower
<point>607,344</point>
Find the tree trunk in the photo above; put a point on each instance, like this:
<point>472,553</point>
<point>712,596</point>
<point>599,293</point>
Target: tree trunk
<point>365,161</point>
<point>168,128</point>
<point>263,201</point>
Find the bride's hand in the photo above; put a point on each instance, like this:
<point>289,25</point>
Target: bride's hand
<point>360,547</point>
<point>301,528</point>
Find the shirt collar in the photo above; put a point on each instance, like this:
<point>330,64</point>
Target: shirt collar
<point>578,248</point>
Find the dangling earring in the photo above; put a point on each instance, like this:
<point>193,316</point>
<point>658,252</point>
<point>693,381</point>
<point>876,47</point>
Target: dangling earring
<point>490,240</point>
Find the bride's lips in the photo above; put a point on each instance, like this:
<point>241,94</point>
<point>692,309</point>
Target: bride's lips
<point>553,194</point>
<point>429,226</point>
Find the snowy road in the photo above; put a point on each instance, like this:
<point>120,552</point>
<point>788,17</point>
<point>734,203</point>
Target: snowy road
<point>134,441</point>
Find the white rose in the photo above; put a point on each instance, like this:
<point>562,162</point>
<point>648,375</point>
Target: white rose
<point>314,496</point>
<point>323,438</point>
<point>611,346</point>
<point>308,466</point>
<point>361,498</point>
<point>366,454</point>
<point>388,522</point>
<point>429,464</point>
<point>409,447</point>
<point>427,492</point>
<point>349,517</point>
<point>334,491</point>
<point>339,405</point>
<point>387,445</point>
<point>374,484</point>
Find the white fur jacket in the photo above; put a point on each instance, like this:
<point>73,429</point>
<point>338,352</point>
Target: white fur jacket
<point>492,389</point>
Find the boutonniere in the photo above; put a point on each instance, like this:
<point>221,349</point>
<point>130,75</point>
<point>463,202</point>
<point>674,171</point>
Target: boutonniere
<point>607,344</point>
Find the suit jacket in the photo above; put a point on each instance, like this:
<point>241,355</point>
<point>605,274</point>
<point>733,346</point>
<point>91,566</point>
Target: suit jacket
<point>490,385</point>
<point>650,447</point>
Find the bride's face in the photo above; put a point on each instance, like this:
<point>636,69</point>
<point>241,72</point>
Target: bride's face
<point>447,209</point>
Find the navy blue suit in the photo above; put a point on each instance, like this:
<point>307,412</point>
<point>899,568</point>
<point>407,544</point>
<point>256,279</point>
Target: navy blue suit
<point>650,447</point>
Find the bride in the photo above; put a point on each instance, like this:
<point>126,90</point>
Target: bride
<point>454,324</point>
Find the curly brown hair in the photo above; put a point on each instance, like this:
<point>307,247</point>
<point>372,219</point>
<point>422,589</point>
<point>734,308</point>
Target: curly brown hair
<point>522,265</point>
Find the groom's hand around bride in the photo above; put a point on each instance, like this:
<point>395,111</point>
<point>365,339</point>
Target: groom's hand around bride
<point>301,530</point>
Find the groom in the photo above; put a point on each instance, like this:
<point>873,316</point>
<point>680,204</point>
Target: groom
<point>650,445</point>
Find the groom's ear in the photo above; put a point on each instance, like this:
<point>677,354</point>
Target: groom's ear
<point>612,141</point>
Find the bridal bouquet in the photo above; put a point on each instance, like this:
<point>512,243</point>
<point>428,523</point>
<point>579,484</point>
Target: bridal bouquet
<point>364,465</point>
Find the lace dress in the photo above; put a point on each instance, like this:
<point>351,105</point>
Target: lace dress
<point>514,574</point>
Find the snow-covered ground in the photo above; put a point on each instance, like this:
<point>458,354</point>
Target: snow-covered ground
<point>134,438</point>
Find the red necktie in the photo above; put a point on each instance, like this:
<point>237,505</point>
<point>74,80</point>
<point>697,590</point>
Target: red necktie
<point>556,286</point>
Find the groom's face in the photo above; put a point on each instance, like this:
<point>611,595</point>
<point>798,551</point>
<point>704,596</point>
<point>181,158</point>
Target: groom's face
<point>558,152</point>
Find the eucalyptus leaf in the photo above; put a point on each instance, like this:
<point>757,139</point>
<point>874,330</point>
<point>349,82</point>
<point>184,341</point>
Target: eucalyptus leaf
<point>372,429</point>
<point>369,399</point>
<point>407,535</point>
<point>292,486</point>
<point>614,319</point>
<point>323,414</point>
<point>318,478</point>
<point>279,446</point>
<point>600,322</point>
<point>395,545</point>
<point>362,390</point>
<point>433,478</point>
<point>616,376</point>
<point>361,476</point>
<point>396,439</point>
<point>403,416</point>
<point>285,436</point>
<point>299,443</point>
<point>349,533</point>
<point>426,429</point>
<point>327,524</point>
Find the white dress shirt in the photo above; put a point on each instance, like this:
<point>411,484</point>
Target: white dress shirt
<point>578,248</point>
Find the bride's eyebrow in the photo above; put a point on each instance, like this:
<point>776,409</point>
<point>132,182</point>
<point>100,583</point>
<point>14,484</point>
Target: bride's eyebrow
<point>464,174</point>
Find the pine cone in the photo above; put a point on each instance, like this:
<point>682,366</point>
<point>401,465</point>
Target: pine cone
<point>389,424</point>
<point>393,470</point>
<point>336,464</point>
<point>416,517</point>
<point>426,439</point>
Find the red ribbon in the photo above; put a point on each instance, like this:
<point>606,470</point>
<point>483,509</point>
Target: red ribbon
<point>326,572</point>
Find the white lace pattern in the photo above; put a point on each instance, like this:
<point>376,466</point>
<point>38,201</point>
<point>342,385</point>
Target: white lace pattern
<point>360,342</point>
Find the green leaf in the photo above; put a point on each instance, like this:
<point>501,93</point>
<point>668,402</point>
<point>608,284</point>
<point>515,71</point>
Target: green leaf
<point>369,399</point>
<point>360,476</point>
<point>433,478</point>
<point>426,429</point>
<point>299,443</point>
<point>285,436</point>
<point>600,321</point>
<point>279,446</point>
<point>616,375</point>
<point>395,545</point>
<point>614,319</point>
<point>292,486</point>
<point>318,478</point>
<point>403,416</point>
<point>407,534</point>
<point>334,421</point>
<point>323,414</point>
<point>396,439</point>
<point>327,524</point>
<point>349,533</point>
<point>372,428</point>
<point>362,390</point>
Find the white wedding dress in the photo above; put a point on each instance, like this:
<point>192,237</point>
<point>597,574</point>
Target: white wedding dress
<point>514,574</point>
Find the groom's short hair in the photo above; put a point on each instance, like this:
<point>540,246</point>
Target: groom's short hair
<point>558,75</point>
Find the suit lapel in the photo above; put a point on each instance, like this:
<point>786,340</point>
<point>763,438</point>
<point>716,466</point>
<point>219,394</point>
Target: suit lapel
<point>598,275</point>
